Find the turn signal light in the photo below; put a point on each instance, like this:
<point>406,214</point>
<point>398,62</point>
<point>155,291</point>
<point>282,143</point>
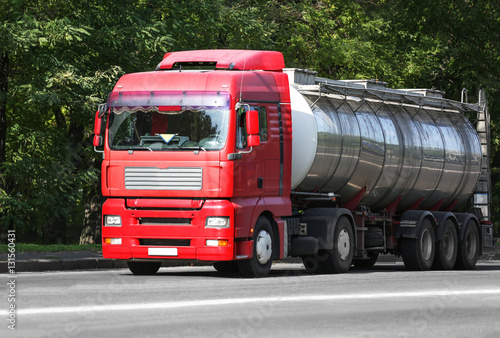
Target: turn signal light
<point>217,242</point>
<point>113,241</point>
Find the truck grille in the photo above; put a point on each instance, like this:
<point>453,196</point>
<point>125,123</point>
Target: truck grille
<point>152,178</point>
<point>164,242</point>
<point>164,221</point>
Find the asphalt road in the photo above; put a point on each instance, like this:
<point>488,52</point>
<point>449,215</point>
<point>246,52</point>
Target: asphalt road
<point>386,301</point>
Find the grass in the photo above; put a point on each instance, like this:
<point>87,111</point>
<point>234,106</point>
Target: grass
<point>27,248</point>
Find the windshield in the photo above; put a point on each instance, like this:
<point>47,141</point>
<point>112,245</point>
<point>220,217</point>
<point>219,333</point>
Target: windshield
<point>168,121</point>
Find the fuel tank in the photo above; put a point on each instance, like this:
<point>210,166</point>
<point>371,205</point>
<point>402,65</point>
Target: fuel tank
<point>381,152</point>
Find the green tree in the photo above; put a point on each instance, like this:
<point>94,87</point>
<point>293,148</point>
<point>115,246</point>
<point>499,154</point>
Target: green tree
<point>59,61</point>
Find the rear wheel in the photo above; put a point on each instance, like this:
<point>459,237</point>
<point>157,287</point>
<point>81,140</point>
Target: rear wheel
<point>143,268</point>
<point>314,264</point>
<point>260,264</point>
<point>311,264</point>
<point>418,253</point>
<point>447,247</point>
<point>339,259</point>
<point>468,249</point>
<point>366,263</point>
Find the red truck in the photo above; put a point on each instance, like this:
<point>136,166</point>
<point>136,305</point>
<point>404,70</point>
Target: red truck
<point>226,156</point>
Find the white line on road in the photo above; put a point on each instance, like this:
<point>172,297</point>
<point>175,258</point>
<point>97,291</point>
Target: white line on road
<point>229,301</point>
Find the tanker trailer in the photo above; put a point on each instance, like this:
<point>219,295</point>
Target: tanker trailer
<point>402,161</point>
<point>239,161</point>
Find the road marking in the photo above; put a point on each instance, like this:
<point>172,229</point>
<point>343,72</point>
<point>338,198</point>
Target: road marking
<point>229,301</point>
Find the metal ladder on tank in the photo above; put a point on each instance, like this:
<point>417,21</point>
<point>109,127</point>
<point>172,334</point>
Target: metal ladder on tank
<point>482,195</point>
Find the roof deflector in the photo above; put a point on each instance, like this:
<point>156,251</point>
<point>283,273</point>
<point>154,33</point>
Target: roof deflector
<point>233,59</point>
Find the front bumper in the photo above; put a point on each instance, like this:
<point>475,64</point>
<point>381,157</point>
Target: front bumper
<point>173,232</point>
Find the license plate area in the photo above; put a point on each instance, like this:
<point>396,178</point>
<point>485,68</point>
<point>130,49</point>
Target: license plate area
<point>162,252</point>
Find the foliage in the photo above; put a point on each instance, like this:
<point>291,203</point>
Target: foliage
<point>59,59</point>
<point>63,59</point>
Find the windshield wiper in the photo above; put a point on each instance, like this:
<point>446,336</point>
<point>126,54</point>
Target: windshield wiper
<point>134,148</point>
<point>193,148</point>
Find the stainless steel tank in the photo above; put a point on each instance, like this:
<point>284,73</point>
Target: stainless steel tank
<point>384,153</point>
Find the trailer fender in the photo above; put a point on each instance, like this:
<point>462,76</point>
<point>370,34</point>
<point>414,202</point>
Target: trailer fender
<point>321,224</point>
<point>441,217</point>
<point>411,221</point>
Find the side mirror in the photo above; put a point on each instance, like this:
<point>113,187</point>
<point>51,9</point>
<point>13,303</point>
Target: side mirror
<point>253,138</point>
<point>252,122</point>
<point>98,139</point>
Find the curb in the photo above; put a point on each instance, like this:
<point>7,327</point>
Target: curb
<point>39,265</point>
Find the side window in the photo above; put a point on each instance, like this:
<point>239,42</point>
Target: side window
<point>241,133</point>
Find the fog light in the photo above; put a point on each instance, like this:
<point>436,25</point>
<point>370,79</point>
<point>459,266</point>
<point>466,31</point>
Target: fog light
<point>217,242</point>
<point>113,221</point>
<point>113,241</point>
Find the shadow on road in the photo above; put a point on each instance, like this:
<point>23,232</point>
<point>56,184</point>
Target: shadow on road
<point>287,270</point>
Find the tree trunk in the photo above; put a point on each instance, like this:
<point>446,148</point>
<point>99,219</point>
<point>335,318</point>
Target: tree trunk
<point>91,232</point>
<point>59,117</point>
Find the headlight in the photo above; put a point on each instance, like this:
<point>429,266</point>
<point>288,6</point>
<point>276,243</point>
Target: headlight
<point>113,221</point>
<point>217,222</point>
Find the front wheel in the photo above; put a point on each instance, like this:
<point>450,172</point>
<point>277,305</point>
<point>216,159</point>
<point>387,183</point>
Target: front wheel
<point>260,264</point>
<point>226,266</point>
<point>339,259</point>
<point>143,268</point>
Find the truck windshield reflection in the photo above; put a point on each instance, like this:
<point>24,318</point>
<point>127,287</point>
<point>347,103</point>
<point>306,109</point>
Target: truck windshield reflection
<point>156,129</point>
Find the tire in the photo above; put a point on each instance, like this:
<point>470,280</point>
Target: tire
<point>366,263</point>
<point>260,264</point>
<point>374,237</point>
<point>339,259</point>
<point>143,268</point>
<point>226,266</point>
<point>418,253</point>
<point>447,248</point>
<point>468,248</point>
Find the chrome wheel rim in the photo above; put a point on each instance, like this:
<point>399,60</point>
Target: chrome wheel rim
<point>426,245</point>
<point>448,245</point>
<point>344,244</point>
<point>264,247</point>
<point>471,243</point>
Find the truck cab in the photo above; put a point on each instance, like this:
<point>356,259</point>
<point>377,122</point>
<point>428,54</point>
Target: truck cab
<point>194,157</point>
